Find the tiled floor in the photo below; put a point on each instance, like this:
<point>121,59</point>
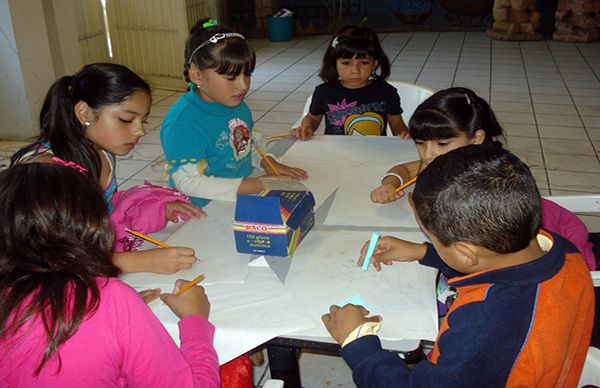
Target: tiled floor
<point>546,95</point>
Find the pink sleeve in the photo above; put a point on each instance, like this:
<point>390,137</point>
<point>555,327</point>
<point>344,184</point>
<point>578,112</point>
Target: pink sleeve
<point>151,358</point>
<point>561,221</point>
<point>196,335</point>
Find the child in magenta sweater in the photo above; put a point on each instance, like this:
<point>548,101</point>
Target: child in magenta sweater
<point>65,319</point>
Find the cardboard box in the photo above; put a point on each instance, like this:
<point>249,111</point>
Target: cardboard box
<point>274,222</point>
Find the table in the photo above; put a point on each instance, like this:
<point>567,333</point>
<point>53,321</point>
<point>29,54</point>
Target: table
<point>279,301</point>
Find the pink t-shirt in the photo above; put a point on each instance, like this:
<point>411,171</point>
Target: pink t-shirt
<point>121,345</point>
<point>561,221</point>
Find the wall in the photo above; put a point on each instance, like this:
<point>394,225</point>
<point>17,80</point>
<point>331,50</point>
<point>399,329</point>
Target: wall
<point>27,64</point>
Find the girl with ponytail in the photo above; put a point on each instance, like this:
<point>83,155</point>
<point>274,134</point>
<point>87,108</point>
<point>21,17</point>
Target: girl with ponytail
<point>88,119</point>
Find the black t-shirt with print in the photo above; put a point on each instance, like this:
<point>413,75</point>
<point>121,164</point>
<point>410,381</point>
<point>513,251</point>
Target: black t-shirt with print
<point>356,111</point>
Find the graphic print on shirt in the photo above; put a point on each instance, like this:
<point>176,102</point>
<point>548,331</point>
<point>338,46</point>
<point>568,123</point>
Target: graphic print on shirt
<point>357,119</point>
<point>239,138</point>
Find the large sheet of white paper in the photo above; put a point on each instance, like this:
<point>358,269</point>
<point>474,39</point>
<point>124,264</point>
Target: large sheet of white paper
<point>323,178</point>
<point>245,315</point>
<point>324,272</point>
<point>213,241</point>
<point>384,150</point>
<point>352,204</point>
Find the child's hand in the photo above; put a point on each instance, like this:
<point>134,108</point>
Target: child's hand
<point>186,208</point>
<point>293,172</point>
<point>303,132</point>
<point>386,193</point>
<point>404,135</point>
<point>341,321</point>
<point>389,249</point>
<point>150,295</point>
<point>192,302</point>
<point>171,260</point>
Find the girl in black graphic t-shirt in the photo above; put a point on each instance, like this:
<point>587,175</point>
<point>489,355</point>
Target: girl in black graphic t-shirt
<point>355,98</point>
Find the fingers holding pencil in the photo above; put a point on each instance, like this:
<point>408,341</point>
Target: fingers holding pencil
<point>187,299</point>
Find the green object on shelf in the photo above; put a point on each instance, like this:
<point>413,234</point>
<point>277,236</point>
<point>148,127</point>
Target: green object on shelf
<point>280,29</point>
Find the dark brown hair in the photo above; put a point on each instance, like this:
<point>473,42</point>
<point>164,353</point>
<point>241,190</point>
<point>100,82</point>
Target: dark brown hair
<point>55,240</point>
<point>98,85</point>
<point>231,56</point>
<point>354,41</point>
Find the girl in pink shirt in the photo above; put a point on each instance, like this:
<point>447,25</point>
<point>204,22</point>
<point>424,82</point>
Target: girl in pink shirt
<point>65,320</point>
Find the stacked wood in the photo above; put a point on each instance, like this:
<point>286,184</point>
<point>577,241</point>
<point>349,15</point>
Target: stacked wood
<point>515,20</point>
<point>577,20</point>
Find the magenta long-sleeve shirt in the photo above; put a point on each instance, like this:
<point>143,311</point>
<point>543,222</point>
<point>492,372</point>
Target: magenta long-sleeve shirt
<point>121,345</point>
<point>561,221</point>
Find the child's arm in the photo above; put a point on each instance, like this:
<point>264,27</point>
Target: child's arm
<point>284,170</point>
<point>389,249</point>
<point>398,126</point>
<point>386,192</point>
<point>188,209</point>
<point>158,260</point>
<point>307,128</point>
<point>341,321</point>
<point>151,358</point>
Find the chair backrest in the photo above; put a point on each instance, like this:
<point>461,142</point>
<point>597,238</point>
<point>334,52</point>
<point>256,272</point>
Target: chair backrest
<point>590,375</point>
<point>411,96</point>
<point>578,203</point>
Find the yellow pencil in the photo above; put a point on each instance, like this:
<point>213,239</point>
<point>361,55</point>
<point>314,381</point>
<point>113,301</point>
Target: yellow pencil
<point>262,154</point>
<point>190,284</point>
<point>404,186</point>
<point>278,136</point>
<point>147,238</point>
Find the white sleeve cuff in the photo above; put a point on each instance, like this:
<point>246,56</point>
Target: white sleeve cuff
<point>192,184</point>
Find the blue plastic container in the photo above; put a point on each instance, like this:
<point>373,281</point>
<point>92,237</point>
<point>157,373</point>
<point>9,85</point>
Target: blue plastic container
<point>280,29</point>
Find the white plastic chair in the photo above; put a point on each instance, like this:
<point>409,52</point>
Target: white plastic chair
<point>411,96</point>
<point>591,369</point>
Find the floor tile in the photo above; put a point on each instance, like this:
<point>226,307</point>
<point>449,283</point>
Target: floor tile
<point>579,163</point>
<point>556,132</point>
<point>566,147</point>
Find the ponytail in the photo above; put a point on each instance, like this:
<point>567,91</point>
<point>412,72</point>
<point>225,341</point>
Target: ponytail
<point>452,111</point>
<point>62,129</point>
<point>98,85</point>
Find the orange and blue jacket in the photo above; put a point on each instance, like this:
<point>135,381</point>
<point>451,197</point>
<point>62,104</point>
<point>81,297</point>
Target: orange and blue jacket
<point>527,325</point>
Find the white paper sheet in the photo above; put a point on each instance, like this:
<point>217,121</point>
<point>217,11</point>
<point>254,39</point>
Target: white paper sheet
<point>213,241</point>
<point>245,315</point>
<point>384,150</point>
<point>352,204</point>
<point>324,272</point>
<point>323,178</point>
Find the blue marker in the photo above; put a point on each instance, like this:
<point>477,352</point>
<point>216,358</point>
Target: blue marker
<point>370,250</point>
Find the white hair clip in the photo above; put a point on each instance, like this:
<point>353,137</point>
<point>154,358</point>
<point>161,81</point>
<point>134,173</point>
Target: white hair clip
<point>335,42</point>
<point>214,39</point>
<point>468,99</point>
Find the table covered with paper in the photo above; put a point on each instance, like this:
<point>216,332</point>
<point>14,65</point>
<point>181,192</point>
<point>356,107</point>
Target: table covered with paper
<point>254,299</point>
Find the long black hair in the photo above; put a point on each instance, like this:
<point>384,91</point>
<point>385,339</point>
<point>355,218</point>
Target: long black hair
<point>452,111</point>
<point>98,85</point>
<point>231,56</point>
<point>55,240</point>
<point>353,41</point>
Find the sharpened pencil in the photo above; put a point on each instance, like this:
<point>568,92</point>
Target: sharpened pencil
<point>190,284</point>
<point>147,238</point>
<point>262,154</point>
<point>278,136</point>
<point>404,186</point>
